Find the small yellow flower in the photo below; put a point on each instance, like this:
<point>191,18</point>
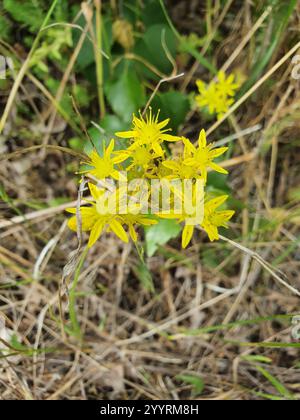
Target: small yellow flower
<point>149,132</point>
<point>227,86</point>
<point>142,160</point>
<point>218,95</point>
<point>99,217</point>
<point>208,97</point>
<point>203,156</point>
<point>214,219</point>
<point>104,166</point>
<point>180,170</point>
<point>97,222</point>
<point>191,215</point>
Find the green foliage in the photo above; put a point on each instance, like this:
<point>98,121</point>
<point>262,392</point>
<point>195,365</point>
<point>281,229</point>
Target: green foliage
<point>125,79</point>
<point>30,13</point>
<point>279,387</point>
<point>160,234</point>
<point>278,22</point>
<point>27,12</point>
<point>55,40</point>
<point>5,28</point>
<point>125,95</point>
<point>143,274</point>
<point>156,43</point>
<point>196,382</point>
<point>174,105</point>
<point>111,124</point>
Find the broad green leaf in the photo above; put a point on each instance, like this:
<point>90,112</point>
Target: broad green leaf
<point>111,124</point>
<point>160,234</point>
<point>99,139</point>
<point>86,57</point>
<point>174,105</point>
<point>126,95</point>
<point>151,47</point>
<point>152,13</point>
<point>5,28</point>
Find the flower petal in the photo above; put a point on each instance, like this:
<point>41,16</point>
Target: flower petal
<point>118,229</point>
<point>187,235</point>
<point>72,223</point>
<point>158,149</point>
<point>163,124</point>
<point>126,134</point>
<point>95,233</point>
<point>222,217</point>
<point>168,137</point>
<point>71,210</point>
<point>218,168</point>
<point>212,232</point>
<point>171,165</point>
<point>216,202</point>
<point>133,233</point>
<point>190,162</point>
<point>202,139</point>
<point>95,191</point>
<point>217,152</point>
<point>110,149</point>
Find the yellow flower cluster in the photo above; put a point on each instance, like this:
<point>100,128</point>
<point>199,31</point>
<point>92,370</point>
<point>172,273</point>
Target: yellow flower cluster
<point>145,160</point>
<point>218,95</point>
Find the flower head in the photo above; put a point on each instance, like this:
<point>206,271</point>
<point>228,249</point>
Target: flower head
<point>190,210</point>
<point>217,96</point>
<point>95,221</point>
<point>141,160</point>
<point>149,132</point>
<point>108,212</point>
<point>104,166</point>
<point>227,85</point>
<point>172,188</point>
<point>180,170</point>
<point>203,157</point>
<point>214,219</point>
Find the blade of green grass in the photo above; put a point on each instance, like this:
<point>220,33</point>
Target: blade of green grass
<point>275,382</point>
<point>224,327</point>
<point>266,345</point>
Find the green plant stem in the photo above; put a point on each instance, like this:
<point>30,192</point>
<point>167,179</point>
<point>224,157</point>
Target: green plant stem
<point>99,58</point>
<point>72,302</point>
<point>174,30</point>
<point>24,68</point>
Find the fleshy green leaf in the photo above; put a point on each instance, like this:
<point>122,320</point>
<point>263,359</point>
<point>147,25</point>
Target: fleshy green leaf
<point>160,234</point>
<point>174,105</point>
<point>151,47</point>
<point>126,95</point>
